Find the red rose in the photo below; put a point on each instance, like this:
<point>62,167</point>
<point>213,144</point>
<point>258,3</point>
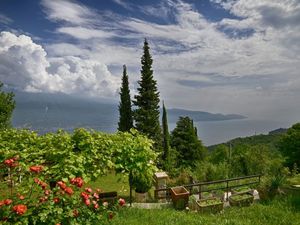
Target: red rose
<point>10,162</point>
<point>21,197</point>
<point>87,202</point>
<point>7,201</point>
<point>96,195</point>
<point>61,184</point>
<point>96,206</point>
<point>20,209</point>
<point>78,181</point>
<point>84,195</point>
<point>69,191</point>
<point>36,180</point>
<point>89,190</point>
<point>2,203</point>
<point>56,200</point>
<point>36,169</point>
<point>121,202</point>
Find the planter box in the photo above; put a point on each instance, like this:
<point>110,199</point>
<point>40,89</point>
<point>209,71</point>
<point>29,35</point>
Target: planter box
<point>212,205</point>
<point>180,197</point>
<point>242,190</point>
<point>241,200</point>
<point>141,197</point>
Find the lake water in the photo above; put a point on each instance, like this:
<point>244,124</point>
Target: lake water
<point>215,132</point>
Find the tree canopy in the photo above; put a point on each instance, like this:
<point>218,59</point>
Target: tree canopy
<point>290,145</point>
<point>185,141</point>
<point>7,106</point>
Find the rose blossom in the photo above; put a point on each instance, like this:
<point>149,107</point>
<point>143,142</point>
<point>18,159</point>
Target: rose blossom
<point>20,209</point>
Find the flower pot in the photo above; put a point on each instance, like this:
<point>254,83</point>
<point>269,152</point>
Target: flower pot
<point>241,200</point>
<point>211,205</point>
<point>141,197</point>
<point>180,197</point>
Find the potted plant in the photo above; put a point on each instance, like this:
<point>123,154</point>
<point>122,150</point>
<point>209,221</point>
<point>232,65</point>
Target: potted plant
<point>142,183</point>
<point>245,199</point>
<point>180,197</point>
<point>210,205</point>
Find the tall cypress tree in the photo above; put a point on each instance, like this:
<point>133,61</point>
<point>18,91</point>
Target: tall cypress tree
<point>146,114</point>
<point>166,140</point>
<point>126,119</point>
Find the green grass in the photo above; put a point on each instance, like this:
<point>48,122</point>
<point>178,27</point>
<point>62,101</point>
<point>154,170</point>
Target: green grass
<point>119,183</point>
<point>112,182</point>
<point>279,212</point>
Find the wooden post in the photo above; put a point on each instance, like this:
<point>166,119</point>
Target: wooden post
<point>130,188</point>
<point>200,190</point>
<point>227,190</point>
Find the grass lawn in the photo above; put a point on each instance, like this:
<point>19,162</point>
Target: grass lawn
<point>112,182</point>
<point>119,183</point>
<point>285,211</point>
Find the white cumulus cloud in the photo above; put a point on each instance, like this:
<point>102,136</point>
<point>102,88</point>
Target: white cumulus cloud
<point>26,66</point>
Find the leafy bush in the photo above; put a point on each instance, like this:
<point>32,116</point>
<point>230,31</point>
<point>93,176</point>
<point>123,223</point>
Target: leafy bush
<point>63,157</point>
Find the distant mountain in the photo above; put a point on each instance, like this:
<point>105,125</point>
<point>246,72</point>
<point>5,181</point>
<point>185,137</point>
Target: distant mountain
<point>173,115</point>
<point>49,112</point>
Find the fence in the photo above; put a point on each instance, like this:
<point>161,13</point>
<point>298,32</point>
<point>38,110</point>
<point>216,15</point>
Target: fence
<point>201,187</point>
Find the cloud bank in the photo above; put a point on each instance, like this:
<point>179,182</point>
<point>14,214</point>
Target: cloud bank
<point>26,66</point>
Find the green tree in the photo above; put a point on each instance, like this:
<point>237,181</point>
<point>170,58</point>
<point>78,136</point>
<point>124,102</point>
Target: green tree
<point>146,115</point>
<point>7,106</point>
<point>166,140</point>
<point>125,119</point>
<point>185,141</point>
<point>290,145</point>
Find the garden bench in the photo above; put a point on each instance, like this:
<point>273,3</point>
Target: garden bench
<point>109,197</point>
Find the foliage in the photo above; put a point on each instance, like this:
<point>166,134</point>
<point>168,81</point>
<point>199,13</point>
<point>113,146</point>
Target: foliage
<point>142,182</point>
<point>270,140</point>
<point>290,145</point>
<point>166,141</point>
<point>146,115</point>
<point>35,201</point>
<point>185,141</point>
<point>271,185</point>
<point>126,118</point>
<point>207,171</point>
<point>7,106</point>
<point>86,154</point>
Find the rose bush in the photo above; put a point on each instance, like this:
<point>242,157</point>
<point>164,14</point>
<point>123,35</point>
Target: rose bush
<point>44,175</point>
<point>66,203</point>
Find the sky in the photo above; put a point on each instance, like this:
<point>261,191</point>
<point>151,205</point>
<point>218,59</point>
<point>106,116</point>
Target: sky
<point>223,56</point>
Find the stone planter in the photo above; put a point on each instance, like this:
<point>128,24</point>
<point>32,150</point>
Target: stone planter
<point>241,200</point>
<point>180,197</point>
<point>242,190</point>
<point>141,197</point>
<point>211,205</point>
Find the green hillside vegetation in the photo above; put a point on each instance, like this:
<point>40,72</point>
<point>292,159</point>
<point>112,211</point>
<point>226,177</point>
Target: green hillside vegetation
<point>271,140</point>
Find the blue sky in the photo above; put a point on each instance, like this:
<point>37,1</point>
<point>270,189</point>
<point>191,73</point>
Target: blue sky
<point>227,56</point>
